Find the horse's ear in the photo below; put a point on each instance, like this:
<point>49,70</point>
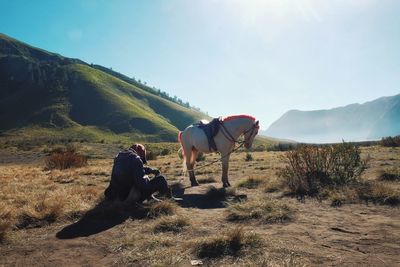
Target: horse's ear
<point>257,123</point>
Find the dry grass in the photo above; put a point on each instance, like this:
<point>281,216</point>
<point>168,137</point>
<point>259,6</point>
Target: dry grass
<point>263,209</point>
<point>37,197</point>
<point>228,244</point>
<point>161,208</point>
<point>273,185</point>
<point>6,221</point>
<point>171,224</point>
<point>171,238</point>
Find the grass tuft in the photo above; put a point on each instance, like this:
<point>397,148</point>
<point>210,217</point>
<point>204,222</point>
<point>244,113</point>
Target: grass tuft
<point>44,212</point>
<point>171,224</point>
<point>266,210</point>
<point>390,175</point>
<point>229,244</point>
<point>250,182</point>
<point>206,180</point>
<point>220,193</point>
<point>161,208</point>
<point>379,193</point>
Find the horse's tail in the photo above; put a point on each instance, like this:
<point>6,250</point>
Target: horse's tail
<point>181,152</point>
<point>180,142</point>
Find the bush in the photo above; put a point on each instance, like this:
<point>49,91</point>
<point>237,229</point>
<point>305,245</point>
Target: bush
<point>390,141</point>
<point>65,160</point>
<point>310,168</point>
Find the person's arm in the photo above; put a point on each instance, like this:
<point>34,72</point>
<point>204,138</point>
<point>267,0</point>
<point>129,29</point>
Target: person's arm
<point>148,170</point>
<point>139,175</point>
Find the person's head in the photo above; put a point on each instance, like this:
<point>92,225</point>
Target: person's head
<point>140,151</point>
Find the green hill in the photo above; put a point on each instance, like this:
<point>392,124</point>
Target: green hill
<point>45,93</point>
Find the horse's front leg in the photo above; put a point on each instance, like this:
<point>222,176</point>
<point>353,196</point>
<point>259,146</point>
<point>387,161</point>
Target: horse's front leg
<point>225,167</point>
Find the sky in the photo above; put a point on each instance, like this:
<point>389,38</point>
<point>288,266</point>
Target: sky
<point>257,57</point>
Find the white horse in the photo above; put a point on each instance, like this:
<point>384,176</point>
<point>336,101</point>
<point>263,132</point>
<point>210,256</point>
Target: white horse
<point>193,140</point>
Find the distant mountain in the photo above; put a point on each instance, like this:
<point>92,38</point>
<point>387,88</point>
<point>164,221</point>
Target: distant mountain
<point>356,122</point>
<point>39,89</point>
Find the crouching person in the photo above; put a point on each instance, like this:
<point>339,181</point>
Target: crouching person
<point>129,180</point>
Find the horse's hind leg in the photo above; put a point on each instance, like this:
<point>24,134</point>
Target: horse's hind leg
<point>225,167</point>
<point>190,161</point>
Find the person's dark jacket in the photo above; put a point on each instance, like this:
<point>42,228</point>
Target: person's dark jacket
<point>128,171</point>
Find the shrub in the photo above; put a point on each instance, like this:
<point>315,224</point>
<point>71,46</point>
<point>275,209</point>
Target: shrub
<point>248,157</point>
<point>390,141</point>
<point>310,168</point>
<point>65,160</point>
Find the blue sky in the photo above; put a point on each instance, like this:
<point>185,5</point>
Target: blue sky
<point>228,56</point>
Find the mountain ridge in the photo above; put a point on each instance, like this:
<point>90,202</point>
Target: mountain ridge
<point>354,122</point>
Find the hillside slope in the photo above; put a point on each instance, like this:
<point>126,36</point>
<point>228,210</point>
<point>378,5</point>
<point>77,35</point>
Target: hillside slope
<point>47,90</point>
<point>355,122</point>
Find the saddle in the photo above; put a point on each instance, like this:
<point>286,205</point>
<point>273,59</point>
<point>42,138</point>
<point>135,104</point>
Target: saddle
<point>210,129</point>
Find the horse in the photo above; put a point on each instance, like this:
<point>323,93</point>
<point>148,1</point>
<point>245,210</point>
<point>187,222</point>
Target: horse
<point>193,140</point>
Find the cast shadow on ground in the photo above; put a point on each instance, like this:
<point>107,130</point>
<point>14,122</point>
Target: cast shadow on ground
<point>212,199</point>
<point>102,217</point>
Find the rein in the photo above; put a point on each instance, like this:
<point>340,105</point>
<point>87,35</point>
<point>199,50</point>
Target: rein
<point>229,136</point>
<point>241,143</point>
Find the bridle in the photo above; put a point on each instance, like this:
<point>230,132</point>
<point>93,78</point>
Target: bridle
<point>229,136</point>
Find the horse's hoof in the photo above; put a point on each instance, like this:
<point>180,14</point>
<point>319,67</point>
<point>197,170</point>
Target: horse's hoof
<point>226,185</point>
<point>195,184</point>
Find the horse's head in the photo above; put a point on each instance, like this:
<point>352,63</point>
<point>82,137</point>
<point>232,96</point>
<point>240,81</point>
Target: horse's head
<point>249,134</point>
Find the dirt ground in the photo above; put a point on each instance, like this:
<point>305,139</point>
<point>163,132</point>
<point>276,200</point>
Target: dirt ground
<point>354,234</point>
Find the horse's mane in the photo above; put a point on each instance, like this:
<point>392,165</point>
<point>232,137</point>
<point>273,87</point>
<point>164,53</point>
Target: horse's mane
<point>242,116</point>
